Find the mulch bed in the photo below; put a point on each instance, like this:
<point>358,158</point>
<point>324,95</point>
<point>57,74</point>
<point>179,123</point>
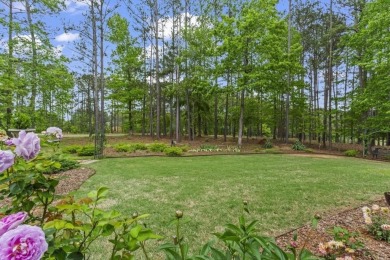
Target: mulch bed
<point>352,220</point>
<point>72,180</point>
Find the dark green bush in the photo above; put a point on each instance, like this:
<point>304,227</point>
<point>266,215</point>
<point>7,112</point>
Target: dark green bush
<point>268,144</point>
<point>173,151</point>
<point>298,146</point>
<point>157,147</point>
<point>66,164</point>
<point>87,150</point>
<point>72,149</point>
<point>351,153</point>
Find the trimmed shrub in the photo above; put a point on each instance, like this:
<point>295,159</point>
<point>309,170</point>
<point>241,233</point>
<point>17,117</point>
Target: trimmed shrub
<point>173,151</point>
<point>298,146</point>
<point>157,147</point>
<point>87,150</point>
<point>123,148</point>
<point>71,149</point>
<point>139,147</point>
<point>351,153</point>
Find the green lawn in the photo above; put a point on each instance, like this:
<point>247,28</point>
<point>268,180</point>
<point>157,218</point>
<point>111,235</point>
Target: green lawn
<point>284,191</point>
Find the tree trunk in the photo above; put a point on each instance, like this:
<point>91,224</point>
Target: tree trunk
<point>177,119</point>
<point>215,115</point>
<point>8,94</point>
<point>241,122</point>
<point>225,130</point>
<point>157,72</point>
<point>34,76</point>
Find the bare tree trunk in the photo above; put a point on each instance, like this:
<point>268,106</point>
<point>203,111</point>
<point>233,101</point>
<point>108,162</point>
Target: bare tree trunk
<point>241,122</point>
<point>330,77</point>
<point>171,117</point>
<point>177,119</point>
<point>289,73</point>
<point>34,78</point>
<point>102,82</point>
<point>8,94</point>
<point>157,72</point>
<point>164,116</point>
<point>225,130</point>
<point>95,79</point>
<point>215,115</point>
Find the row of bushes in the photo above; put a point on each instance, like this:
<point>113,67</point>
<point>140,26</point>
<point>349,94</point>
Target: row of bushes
<point>80,150</point>
<point>89,150</point>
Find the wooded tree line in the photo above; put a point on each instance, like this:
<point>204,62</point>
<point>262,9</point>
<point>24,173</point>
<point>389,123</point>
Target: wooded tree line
<point>181,69</point>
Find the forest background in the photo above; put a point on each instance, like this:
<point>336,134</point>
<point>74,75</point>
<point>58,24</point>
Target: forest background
<point>314,70</point>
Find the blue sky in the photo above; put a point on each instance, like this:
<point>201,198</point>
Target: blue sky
<point>63,42</point>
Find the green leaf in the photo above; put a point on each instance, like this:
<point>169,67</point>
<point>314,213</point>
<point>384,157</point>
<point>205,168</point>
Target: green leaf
<point>102,192</point>
<point>59,254</point>
<point>75,256</point>
<point>16,187</point>
<point>146,235</point>
<point>57,165</point>
<point>135,231</point>
<point>108,230</point>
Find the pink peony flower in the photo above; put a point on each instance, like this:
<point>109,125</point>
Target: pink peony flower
<point>7,159</point>
<point>57,132</point>
<point>23,242</point>
<point>12,221</point>
<point>27,145</point>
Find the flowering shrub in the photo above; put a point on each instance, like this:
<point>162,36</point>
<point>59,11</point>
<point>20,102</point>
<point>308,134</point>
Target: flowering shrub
<point>345,245</point>
<point>21,241</point>
<point>54,132</point>
<point>377,220</point>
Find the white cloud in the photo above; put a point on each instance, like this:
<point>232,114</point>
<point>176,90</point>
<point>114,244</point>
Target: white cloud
<point>18,7</point>
<point>75,6</point>
<point>67,37</point>
<point>166,24</point>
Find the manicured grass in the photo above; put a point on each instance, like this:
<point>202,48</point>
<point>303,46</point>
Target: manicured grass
<point>284,191</point>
